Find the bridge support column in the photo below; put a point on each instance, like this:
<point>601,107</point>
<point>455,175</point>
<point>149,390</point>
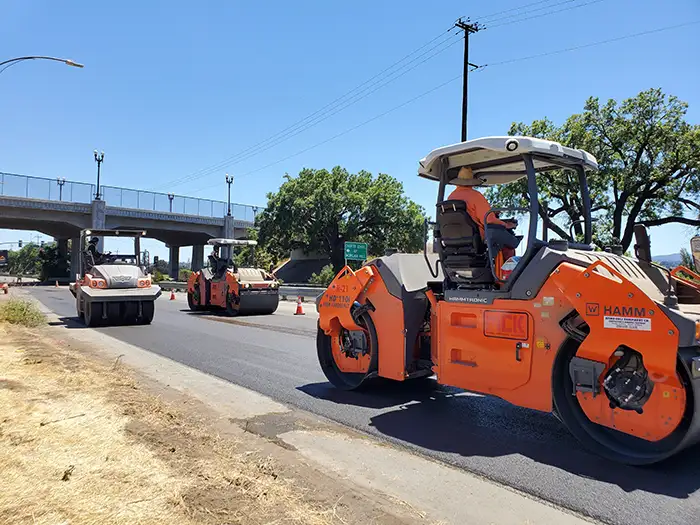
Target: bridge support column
<point>174,261</point>
<point>74,257</point>
<point>62,245</point>
<point>61,270</point>
<point>197,257</point>
<point>228,227</point>
<point>98,219</point>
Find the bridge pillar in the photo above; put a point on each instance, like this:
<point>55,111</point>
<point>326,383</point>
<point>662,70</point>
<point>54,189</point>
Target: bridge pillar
<point>74,257</point>
<point>174,261</point>
<point>228,227</point>
<point>62,245</point>
<point>62,268</point>
<point>99,209</point>
<point>197,257</point>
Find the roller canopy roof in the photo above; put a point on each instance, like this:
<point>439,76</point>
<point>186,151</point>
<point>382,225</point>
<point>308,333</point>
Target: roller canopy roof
<point>115,233</point>
<point>498,160</point>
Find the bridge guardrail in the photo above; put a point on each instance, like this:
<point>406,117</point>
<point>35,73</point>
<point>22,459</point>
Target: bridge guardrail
<point>27,186</point>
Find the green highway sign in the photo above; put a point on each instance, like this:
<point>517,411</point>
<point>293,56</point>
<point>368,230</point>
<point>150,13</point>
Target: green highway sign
<point>355,251</point>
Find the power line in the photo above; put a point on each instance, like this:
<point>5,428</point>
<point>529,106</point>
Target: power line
<point>518,8</point>
<point>344,105</point>
<point>341,103</point>
<point>544,14</point>
<point>376,117</point>
<point>349,130</point>
<point>592,44</point>
<point>332,103</point>
<point>322,117</point>
<point>516,15</point>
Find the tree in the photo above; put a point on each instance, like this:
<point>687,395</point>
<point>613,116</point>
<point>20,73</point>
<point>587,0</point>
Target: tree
<point>254,256</point>
<point>161,266</point>
<point>649,159</point>
<point>687,259</point>
<point>52,263</point>
<point>319,210</point>
<point>25,260</point>
<point>324,278</point>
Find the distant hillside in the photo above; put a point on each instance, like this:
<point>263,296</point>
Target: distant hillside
<point>671,260</point>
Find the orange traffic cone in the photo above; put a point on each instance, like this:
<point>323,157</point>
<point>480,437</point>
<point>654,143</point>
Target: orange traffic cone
<point>56,284</point>
<point>172,295</point>
<point>5,288</point>
<point>300,310</point>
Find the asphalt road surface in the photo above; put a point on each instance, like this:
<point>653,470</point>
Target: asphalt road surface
<point>276,356</point>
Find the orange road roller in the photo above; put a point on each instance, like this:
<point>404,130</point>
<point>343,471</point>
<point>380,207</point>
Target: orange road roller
<point>599,339</point>
<point>224,286</point>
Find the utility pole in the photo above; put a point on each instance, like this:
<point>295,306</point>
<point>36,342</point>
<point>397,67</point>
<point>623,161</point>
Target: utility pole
<point>99,158</point>
<point>229,181</point>
<point>468,28</point>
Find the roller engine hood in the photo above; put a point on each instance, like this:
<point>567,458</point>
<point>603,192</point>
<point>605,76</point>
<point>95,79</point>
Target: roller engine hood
<point>117,275</point>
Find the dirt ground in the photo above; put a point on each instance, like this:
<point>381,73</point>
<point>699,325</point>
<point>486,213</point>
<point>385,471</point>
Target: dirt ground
<point>83,441</point>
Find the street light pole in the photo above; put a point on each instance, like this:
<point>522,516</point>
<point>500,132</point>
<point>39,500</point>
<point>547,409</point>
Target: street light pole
<point>60,181</point>
<point>12,61</point>
<point>171,197</point>
<point>229,181</point>
<point>99,158</point>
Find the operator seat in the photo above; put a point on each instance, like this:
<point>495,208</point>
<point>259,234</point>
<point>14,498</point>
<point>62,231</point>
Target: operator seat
<point>464,255</point>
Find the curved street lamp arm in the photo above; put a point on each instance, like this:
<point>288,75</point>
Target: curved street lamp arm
<point>55,59</point>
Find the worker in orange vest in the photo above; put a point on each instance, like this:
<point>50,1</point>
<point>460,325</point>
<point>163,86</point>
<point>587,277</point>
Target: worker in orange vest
<point>477,208</point>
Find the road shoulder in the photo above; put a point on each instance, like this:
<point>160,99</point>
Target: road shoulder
<point>359,478</point>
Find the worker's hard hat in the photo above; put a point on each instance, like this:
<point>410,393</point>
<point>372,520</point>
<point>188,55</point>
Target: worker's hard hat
<point>465,173</point>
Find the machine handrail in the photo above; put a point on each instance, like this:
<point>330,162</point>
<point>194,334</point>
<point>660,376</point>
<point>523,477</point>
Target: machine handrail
<point>426,224</point>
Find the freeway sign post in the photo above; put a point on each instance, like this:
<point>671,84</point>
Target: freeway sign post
<point>355,251</point>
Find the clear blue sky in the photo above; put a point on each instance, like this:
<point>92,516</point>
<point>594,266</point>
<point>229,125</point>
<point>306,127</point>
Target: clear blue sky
<point>172,87</point>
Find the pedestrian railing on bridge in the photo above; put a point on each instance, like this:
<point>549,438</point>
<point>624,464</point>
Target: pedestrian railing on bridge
<point>14,185</point>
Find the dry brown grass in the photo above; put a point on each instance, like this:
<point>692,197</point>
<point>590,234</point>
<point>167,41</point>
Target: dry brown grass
<point>81,443</point>
<point>21,311</point>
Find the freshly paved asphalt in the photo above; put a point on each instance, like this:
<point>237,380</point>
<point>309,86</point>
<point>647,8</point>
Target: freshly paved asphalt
<point>527,450</point>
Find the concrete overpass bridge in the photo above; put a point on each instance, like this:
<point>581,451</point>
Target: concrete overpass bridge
<point>62,208</point>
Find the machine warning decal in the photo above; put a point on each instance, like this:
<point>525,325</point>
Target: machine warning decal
<point>592,309</point>
<point>337,301</point>
<point>507,325</point>
<point>641,324</point>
